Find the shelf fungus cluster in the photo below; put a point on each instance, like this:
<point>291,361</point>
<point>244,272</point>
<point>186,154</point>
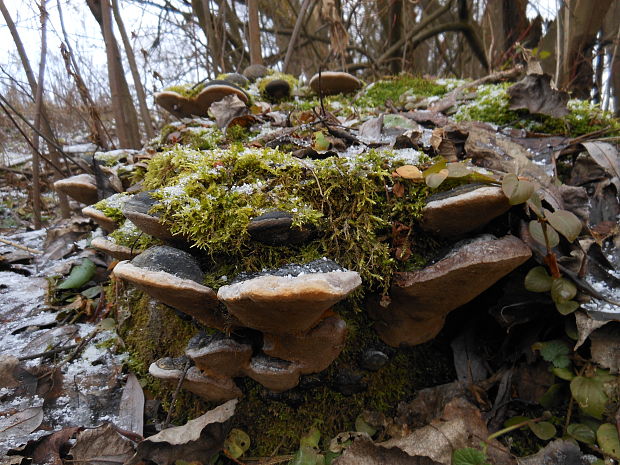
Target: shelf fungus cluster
<point>281,261</point>
<point>272,327</point>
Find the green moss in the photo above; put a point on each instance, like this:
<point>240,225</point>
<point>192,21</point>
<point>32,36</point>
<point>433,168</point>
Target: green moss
<point>130,236</point>
<point>492,105</point>
<point>193,135</point>
<point>210,197</point>
<point>112,206</point>
<point>187,90</point>
<point>391,88</point>
<point>272,424</point>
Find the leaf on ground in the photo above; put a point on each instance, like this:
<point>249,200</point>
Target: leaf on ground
<point>605,155</point>
<point>237,443</point>
<point>516,190</point>
<point>227,109</point>
<point>562,290</point>
<point>557,452</point>
<point>434,180</point>
<point>79,275</point>
<point>410,172</point>
<point>566,308</point>
<point>543,430</point>
<point>535,94</point>
<point>131,409</point>
<point>364,452</point>
<point>48,449</point>
<point>607,437</point>
<point>21,423</point>
<point>101,446</point>
<point>554,351</point>
<point>469,456</point>
<point>199,439</point>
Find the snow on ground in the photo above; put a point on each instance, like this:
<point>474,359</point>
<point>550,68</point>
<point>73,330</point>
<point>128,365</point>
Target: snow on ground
<point>85,391</point>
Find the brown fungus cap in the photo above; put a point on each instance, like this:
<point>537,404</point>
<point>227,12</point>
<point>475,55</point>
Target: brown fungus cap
<point>420,300</point>
<point>81,187</point>
<point>313,351</point>
<point>210,389</point>
<point>291,299</point>
<point>459,211</point>
<point>116,251</point>
<point>275,374</point>
<point>334,82</point>
<point>106,223</point>
<point>137,210</point>
<point>174,278</point>
<point>219,355</point>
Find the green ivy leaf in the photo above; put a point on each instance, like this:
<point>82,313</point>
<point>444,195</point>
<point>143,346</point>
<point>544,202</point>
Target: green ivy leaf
<point>536,230</point>
<point>566,223</point>
<point>553,397</point>
<point>581,432</point>
<point>469,456</point>
<point>538,280</point>
<point>563,373</point>
<point>79,275</point>
<point>590,395</point>
<point>543,430</point>
<point>434,180</point>
<point>566,308</point>
<point>562,290</point>
<point>362,427</point>
<point>516,190</point>
<point>237,443</point>
<point>554,351</point>
<point>607,437</point>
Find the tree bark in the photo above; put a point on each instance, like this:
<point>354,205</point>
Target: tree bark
<point>47,129</point>
<point>256,55</point>
<point>125,115</point>
<point>131,59</point>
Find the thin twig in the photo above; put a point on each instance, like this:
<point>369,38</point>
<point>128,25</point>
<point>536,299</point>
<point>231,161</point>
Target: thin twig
<point>176,393</point>
<point>57,350</point>
<point>19,246</point>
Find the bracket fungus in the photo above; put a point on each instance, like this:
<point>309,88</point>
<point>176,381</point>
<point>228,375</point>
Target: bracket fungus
<point>138,210</point>
<point>81,187</point>
<point>275,374</point>
<point>313,351</point>
<point>420,300</point>
<point>105,222</point>
<point>462,210</point>
<point>219,355</point>
<point>289,300</point>
<point>174,278</point>
<point>116,251</point>
<point>276,228</point>
<point>334,82</point>
<point>209,388</point>
<point>198,105</point>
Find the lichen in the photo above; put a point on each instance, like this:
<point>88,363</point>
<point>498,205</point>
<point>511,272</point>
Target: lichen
<point>492,105</point>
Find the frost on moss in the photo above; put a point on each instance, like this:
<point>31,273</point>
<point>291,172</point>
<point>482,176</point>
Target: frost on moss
<point>198,134</point>
<point>129,235</point>
<point>492,102</point>
<point>112,206</point>
<point>187,90</point>
<point>210,197</point>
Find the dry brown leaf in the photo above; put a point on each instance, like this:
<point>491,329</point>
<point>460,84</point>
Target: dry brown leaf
<point>101,446</point>
<point>410,172</point>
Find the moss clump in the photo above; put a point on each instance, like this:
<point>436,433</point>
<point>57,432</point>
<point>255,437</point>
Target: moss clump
<point>130,236</point>
<point>280,423</point>
<point>392,88</point>
<point>112,206</point>
<point>187,90</point>
<point>194,134</point>
<point>210,198</point>
<point>492,105</point>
